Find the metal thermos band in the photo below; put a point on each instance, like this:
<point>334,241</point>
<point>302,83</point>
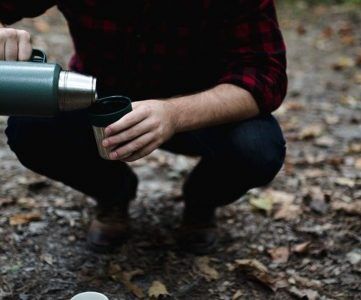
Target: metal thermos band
<point>75,91</point>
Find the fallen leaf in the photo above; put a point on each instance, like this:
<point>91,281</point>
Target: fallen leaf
<point>21,219</point>
<point>343,181</point>
<point>157,290</point>
<point>348,40</point>
<point>263,203</point>
<point>279,254</point>
<point>354,148</point>
<point>288,212</point>
<point>255,270</point>
<point>354,257</point>
<point>252,264</point>
<point>311,131</point>
<point>117,274</point>
<point>332,119</point>
<point>301,30</point>
<point>325,141</point>
<point>208,272</point>
<point>314,173</point>
<point>283,204</point>
<point>349,100</point>
<point>358,58</point>
<point>47,258</point>
<point>357,164</point>
<point>27,202</point>
<point>353,208</point>
<point>304,293</point>
<point>343,63</point>
<point>357,78</point>
<point>306,282</point>
<point>5,201</point>
<point>294,105</point>
<point>300,248</point>
<point>237,295</point>
<point>327,32</point>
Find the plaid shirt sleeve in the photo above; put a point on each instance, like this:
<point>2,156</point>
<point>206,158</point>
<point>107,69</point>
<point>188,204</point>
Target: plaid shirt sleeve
<point>12,11</point>
<point>255,54</point>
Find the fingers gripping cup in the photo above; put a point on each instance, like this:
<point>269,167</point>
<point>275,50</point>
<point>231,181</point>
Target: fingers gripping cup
<point>104,112</point>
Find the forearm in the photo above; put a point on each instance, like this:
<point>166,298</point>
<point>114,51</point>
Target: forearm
<point>224,103</point>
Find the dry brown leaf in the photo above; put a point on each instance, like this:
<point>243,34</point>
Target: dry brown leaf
<point>288,212</point>
<point>115,272</point>
<point>358,163</point>
<point>237,295</point>
<point>350,208</point>
<point>283,203</point>
<point>311,131</point>
<point>354,148</point>
<point>252,264</point>
<point>5,201</point>
<point>294,105</point>
<point>27,202</point>
<point>130,274</point>
<point>357,78</point>
<point>325,141</point>
<point>343,62</point>
<point>279,254</point>
<point>255,270</point>
<point>208,272</point>
<point>301,248</point>
<point>157,290</point>
<point>348,40</point>
<point>306,282</point>
<point>349,100</point>
<point>47,258</point>
<point>301,30</point>
<point>21,219</point>
<point>304,293</point>
<point>343,181</point>
<point>327,32</point>
<point>314,173</point>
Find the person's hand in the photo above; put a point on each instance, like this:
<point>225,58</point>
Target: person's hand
<point>138,133</point>
<point>15,44</point>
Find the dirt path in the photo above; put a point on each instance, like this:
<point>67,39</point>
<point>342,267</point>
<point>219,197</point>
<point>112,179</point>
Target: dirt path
<point>302,232</point>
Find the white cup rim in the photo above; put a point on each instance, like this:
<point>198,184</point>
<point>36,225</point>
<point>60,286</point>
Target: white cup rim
<point>99,296</point>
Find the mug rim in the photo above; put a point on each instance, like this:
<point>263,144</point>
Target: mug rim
<point>109,99</point>
<point>90,293</point>
<point>105,119</point>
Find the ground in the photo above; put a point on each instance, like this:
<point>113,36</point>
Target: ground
<point>297,238</point>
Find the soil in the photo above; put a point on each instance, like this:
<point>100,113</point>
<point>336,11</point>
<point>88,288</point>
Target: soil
<point>301,234</point>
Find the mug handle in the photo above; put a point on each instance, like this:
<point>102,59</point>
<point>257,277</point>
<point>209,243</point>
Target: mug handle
<point>38,56</point>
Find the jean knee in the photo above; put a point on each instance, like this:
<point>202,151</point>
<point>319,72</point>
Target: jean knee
<point>22,140</point>
<point>261,153</point>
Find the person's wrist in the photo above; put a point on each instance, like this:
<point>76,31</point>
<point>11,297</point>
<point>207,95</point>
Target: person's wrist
<point>171,109</point>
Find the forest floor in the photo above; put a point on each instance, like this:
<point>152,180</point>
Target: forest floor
<point>298,238</point>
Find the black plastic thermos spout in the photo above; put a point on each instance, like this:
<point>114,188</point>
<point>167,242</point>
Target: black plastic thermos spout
<point>38,88</point>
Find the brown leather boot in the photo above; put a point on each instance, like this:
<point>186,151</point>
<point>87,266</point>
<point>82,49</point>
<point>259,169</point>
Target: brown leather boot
<point>198,233</point>
<point>109,229</point>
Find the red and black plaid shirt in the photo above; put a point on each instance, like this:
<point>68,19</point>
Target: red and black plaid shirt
<point>160,48</point>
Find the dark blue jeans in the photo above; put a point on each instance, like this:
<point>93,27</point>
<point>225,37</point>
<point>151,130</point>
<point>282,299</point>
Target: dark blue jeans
<point>234,158</point>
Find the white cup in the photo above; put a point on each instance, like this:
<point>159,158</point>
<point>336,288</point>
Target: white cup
<point>90,296</point>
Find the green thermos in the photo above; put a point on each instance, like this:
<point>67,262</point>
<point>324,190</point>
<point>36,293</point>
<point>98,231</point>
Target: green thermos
<point>38,88</point>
